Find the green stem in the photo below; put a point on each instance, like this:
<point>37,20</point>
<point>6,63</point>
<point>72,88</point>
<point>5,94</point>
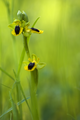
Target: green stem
<point>33,85</point>
<point>33,88</point>
<point>26,46</point>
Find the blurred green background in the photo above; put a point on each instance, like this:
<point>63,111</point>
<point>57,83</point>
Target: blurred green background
<point>59,47</point>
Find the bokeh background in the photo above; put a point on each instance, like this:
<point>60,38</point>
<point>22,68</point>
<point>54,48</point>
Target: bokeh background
<point>59,47</point>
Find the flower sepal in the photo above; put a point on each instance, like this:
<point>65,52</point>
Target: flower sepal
<point>41,65</point>
<point>11,26</point>
<point>15,22</point>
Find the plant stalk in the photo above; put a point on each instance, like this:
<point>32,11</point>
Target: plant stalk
<point>33,88</point>
<point>26,46</point>
<point>33,85</point>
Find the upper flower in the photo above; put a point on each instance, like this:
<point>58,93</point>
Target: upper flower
<point>17,29</point>
<point>33,63</point>
<point>21,24</point>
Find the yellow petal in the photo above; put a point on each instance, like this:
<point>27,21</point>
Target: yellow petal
<point>26,68</point>
<point>13,32</point>
<point>34,30</point>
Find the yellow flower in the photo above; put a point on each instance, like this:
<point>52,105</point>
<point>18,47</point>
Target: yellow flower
<point>34,30</point>
<point>33,63</point>
<point>30,67</point>
<point>28,31</point>
<point>19,27</point>
<point>16,26</point>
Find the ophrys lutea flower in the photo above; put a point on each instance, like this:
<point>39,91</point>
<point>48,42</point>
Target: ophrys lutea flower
<point>35,30</point>
<point>27,31</point>
<point>21,25</point>
<point>16,27</point>
<point>33,64</point>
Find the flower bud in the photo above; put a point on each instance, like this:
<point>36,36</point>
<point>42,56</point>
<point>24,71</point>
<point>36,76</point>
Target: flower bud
<point>25,17</point>
<point>19,15</point>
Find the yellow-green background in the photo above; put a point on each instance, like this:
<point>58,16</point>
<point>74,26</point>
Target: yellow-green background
<point>59,47</point>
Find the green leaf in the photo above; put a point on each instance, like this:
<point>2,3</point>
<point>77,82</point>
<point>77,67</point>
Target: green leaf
<point>41,65</point>
<point>21,61</point>
<point>23,100</point>
<point>10,109</point>
<point>11,26</point>
<point>25,97</point>
<point>7,74</point>
<point>35,22</point>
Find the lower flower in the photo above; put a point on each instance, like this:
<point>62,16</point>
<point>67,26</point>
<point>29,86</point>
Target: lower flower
<point>33,63</point>
<point>31,66</point>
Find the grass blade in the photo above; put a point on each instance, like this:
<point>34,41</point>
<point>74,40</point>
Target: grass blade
<point>7,74</point>
<point>23,100</point>
<point>71,116</point>
<point>5,85</point>
<point>15,110</point>
<point>24,97</point>
<point>10,109</point>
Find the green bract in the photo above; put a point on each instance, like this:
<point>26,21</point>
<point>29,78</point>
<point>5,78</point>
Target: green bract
<point>25,17</point>
<point>19,15</point>
<point>22,16</point>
